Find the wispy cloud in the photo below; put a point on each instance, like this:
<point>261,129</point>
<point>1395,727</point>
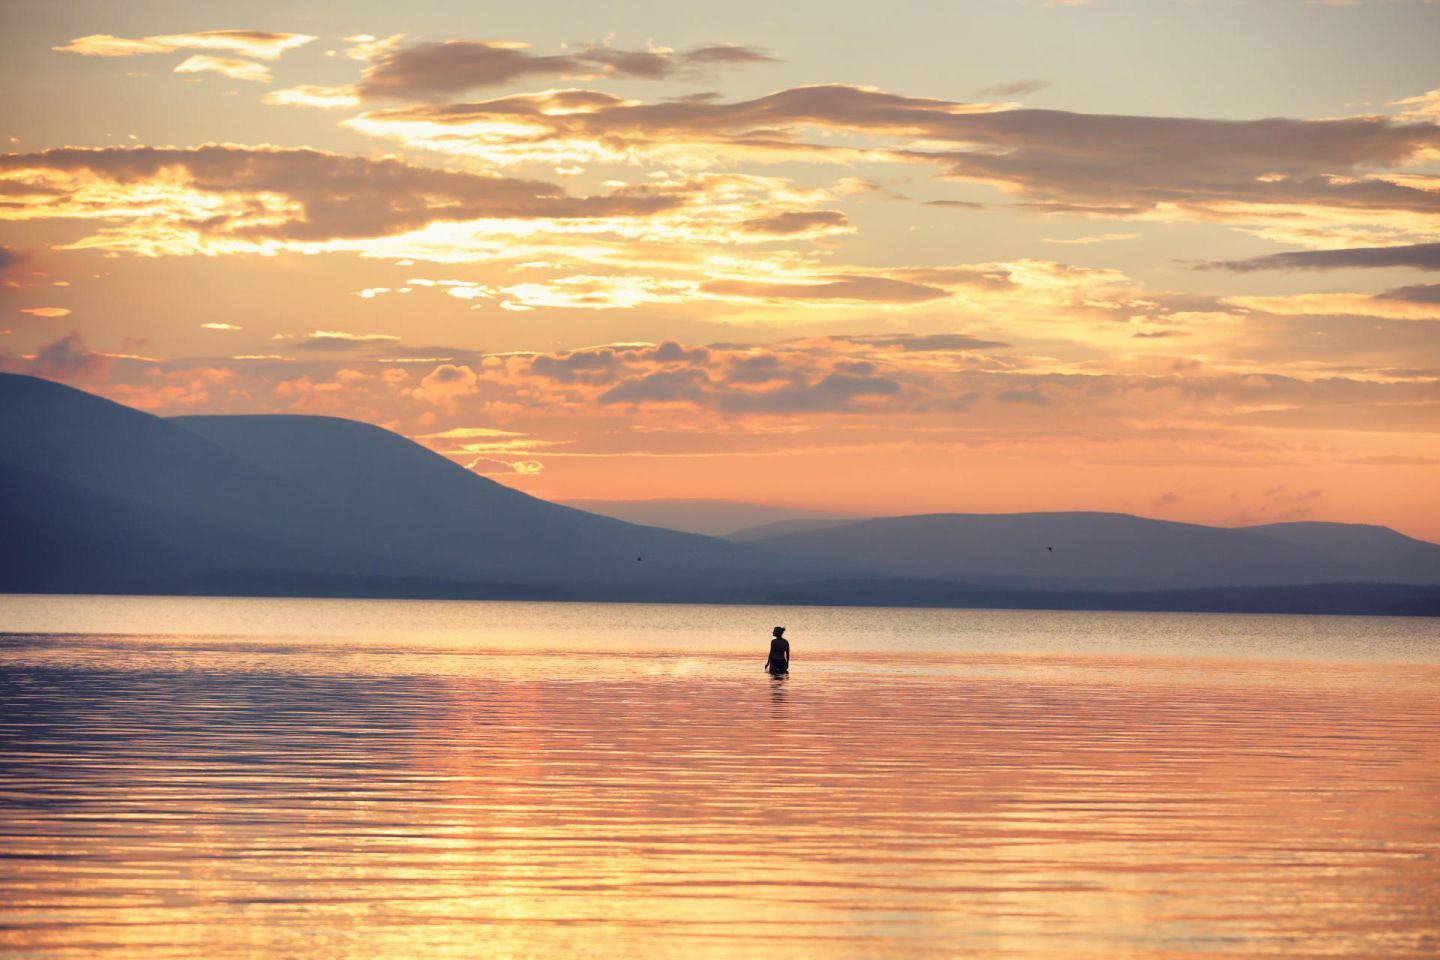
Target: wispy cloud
<point>1014,88</point>
<point>311,95</point>
<point>213,198</point>
<point>1418,256</point>
<point>261,44</point>
<point>428,70</point>
<point>1307,179</point>
<point>1091,238</point>
<point>339,340</point>
<point>226,67</point>
<point>1391,306</point>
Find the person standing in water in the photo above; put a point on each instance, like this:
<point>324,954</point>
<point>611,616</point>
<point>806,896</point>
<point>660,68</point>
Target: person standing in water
<point>779,661</point>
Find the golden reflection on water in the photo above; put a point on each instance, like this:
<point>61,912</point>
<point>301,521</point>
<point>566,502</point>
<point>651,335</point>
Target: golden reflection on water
<point>188,796</point>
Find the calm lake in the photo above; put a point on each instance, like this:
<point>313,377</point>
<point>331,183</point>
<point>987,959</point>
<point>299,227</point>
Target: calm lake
<point>309,778</point>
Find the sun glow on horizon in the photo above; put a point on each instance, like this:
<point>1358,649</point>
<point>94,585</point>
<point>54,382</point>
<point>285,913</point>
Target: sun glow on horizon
<point>713,258</point>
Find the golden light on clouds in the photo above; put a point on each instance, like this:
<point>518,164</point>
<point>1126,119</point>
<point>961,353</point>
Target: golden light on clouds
<point>225,66</point>
<point>249,43</point>
<point>1009,293</point>
<point>1348,304</point>
<point>313,95</point>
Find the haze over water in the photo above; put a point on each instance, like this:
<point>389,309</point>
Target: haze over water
<point>226,778</point>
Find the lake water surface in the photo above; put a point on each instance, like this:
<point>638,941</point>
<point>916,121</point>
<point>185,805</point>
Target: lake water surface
<point>308,778</point>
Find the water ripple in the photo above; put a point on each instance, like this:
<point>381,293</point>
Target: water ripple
<point>184,795</point>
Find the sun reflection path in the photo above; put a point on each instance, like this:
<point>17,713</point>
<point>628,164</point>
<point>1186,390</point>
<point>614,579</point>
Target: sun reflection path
<point>247,797</point>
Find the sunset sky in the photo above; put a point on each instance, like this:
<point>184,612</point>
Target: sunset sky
<point>1179,258</point>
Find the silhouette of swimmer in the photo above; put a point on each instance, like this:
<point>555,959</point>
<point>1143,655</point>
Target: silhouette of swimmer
<point>779,661</point>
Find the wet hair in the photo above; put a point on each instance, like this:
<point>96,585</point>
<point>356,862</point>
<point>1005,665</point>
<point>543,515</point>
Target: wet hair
<point>777,631</point>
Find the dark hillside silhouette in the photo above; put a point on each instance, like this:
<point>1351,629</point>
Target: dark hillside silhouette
<point>290,494</point>
<point>98,497</point>
<point>419,504</point>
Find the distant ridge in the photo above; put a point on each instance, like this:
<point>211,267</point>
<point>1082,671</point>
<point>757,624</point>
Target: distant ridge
<point>715,518</point>
<point>779,528</point>
<point>1381,553</point>
<point>1113,551</point>
<point>96,497</point>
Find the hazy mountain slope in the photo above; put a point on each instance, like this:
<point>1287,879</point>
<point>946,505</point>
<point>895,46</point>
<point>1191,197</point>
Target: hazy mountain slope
<point>1384,554</point>
<point>418,503</point>
<point>117,494</point>
<point>210,502</point>
<point>1071,550</point>
<point>95,496</point>
<point>121,453</point>
<point>60,537</point>
<point>100,494</point>
<point>782,527</point>
<point>715,518</point>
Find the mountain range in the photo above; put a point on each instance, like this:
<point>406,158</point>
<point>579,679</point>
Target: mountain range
<point>96,497</point>
<point>732,519</point>
<point>1114,551</point>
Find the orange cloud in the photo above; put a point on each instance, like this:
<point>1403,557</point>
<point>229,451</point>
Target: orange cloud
<point>67,359</point>
<point>311,95</point>
<point>1025,290</point>
<point>1017,377</point>
<point>1257,174</point>
<point>804,397</point>
<point>250,43</point>
<point>1420,256</point>
<point>950,415</point>
<point>183,390</point>
<point>445,384</point>
<point>341,339</point>
<point>1425,107</point>
<point>1344,304</point>
<point>841,287</point>
<point>226,67</point>
<point>221,198</point>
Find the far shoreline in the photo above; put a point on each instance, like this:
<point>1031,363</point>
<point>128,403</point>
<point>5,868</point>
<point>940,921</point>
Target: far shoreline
<point>1335,599</point>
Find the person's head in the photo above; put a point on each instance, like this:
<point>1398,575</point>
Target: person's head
<point>778,632</point>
